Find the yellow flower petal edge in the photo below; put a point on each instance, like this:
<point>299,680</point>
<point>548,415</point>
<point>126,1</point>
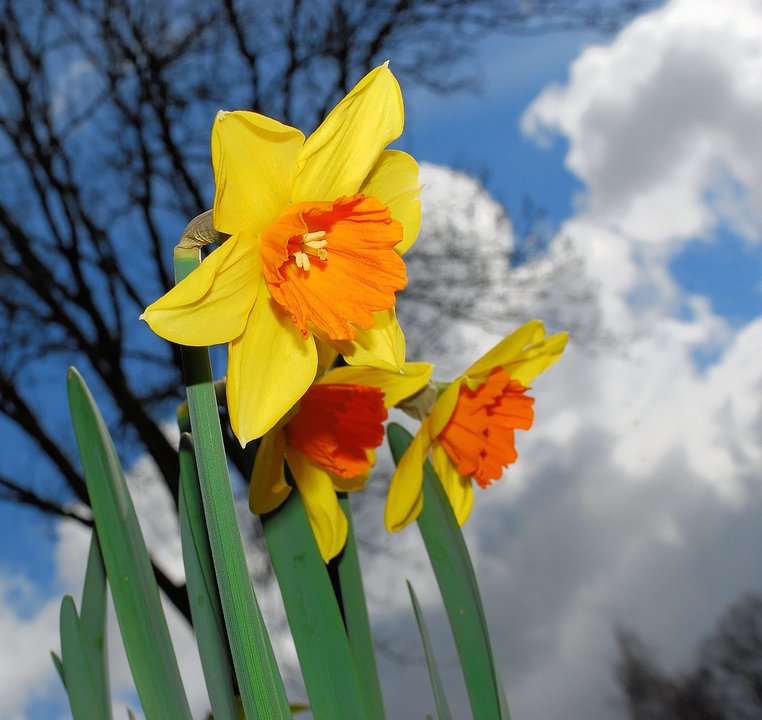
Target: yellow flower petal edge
<point>350,140</point>
<point>404,501</point>
<point>254,160</point>
<point>530,333</point>
<point>270,366</point>
<point>443,407</point>
<point>382,346</point>
<point>394,181</point>
<point>268,487</point>
<point>329,524</point>
<point>212,304</point>
<point>459,489</point>
<point>527,365</point>
<point>396,386</point>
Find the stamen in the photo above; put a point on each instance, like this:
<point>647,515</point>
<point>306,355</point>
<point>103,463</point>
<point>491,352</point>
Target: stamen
<point>312,236</point>
<point>313,243</point>
<point>302,260</point>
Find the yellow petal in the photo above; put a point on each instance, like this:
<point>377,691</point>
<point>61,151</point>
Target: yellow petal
<point>510,346</point>
<point>254,159</point>
<point>443,407</point>
<point>459,489</point>
<point>329,525</point>
<point>268,487</point>
<point>394,181</point>
<point>212,304</point>
<point>382,346</point>
<point>326,355</point>
<point>405,499</point>
<point>270,366</point>
<point>535,359</point>
<point>395,386</point>
<point>338,156</point>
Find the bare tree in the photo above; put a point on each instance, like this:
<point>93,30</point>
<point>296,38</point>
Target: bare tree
<point>105,109</point>
<point>723,682</point>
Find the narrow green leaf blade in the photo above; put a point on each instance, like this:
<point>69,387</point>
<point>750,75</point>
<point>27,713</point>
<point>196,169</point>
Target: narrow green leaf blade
<point>59,666</point>
<point>460,593</point>
<point>440,699</point>
<point>133,587</point>
<point>78,677</point>
<point>261,686</point>
<point>356,619</point>
<point>206,612</point>
<point>93,624</point>
<point>313,614</point>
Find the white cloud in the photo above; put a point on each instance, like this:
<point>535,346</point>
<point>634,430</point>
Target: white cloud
<point>665,118</point>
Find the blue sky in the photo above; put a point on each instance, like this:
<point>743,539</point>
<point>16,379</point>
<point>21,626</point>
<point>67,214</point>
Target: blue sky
<point>649,450</point>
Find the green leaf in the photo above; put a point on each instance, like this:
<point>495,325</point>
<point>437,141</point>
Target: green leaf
<point>133,587</point>
<point>93,624</point>
<point>206,611</point>
<point>356,619</point>
<point>59,667</point>
<point>460,593</point>
<point>259,681</point>
<point>313,614</point>
<point>440,699</point>
<point>78,677</point>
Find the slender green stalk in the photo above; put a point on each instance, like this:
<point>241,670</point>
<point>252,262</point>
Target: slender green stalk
<point>260,684</point>
<point>356,619</point>
<point>206,611</point>
<point>440,699</point>
<point>460,593</point>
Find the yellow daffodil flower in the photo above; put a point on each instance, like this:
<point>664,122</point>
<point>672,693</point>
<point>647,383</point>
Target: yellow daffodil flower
<point>470,427</point>
<point>317,229</point>
<point>328,443</point>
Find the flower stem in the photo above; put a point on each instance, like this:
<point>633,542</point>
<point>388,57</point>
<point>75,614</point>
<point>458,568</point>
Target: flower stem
<point>261,686</point>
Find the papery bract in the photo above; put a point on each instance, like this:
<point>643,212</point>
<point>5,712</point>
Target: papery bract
<point>317,229</point>
<point>470,427</point>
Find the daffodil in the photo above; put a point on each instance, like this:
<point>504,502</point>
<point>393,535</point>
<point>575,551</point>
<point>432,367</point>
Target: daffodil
<point>470,426</point>
<point>329,442</point>
<point>317,228</point>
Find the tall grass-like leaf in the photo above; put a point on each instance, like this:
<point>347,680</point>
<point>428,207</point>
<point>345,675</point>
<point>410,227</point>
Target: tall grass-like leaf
<point>58,666</point>
<point>313,614</point>
<point>440,699</point>
<point>83,644</point>
<point>93,622</point>
<point>133,587</point>
<point>460,593</point>
<point>84,700</point>
<point>206,611</point>
<point>356,619</point>
<point>259,680</point>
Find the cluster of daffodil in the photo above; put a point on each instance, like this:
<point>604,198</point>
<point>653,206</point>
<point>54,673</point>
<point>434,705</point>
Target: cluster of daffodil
<point>311,236</point>
<point>317,230</point>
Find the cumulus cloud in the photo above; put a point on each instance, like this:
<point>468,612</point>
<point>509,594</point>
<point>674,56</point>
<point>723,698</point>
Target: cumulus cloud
<point>663,123</point>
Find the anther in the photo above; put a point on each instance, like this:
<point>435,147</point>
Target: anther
<point>313,243</point>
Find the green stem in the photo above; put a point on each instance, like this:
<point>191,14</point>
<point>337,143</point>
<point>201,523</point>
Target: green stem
<point>356,619</point>
<point>261,686</point>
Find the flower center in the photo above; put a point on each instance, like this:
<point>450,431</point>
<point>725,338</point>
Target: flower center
<point>314,244</point>
<point>337,425</point>
<point>339,297</point>
<point>479,437</point>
